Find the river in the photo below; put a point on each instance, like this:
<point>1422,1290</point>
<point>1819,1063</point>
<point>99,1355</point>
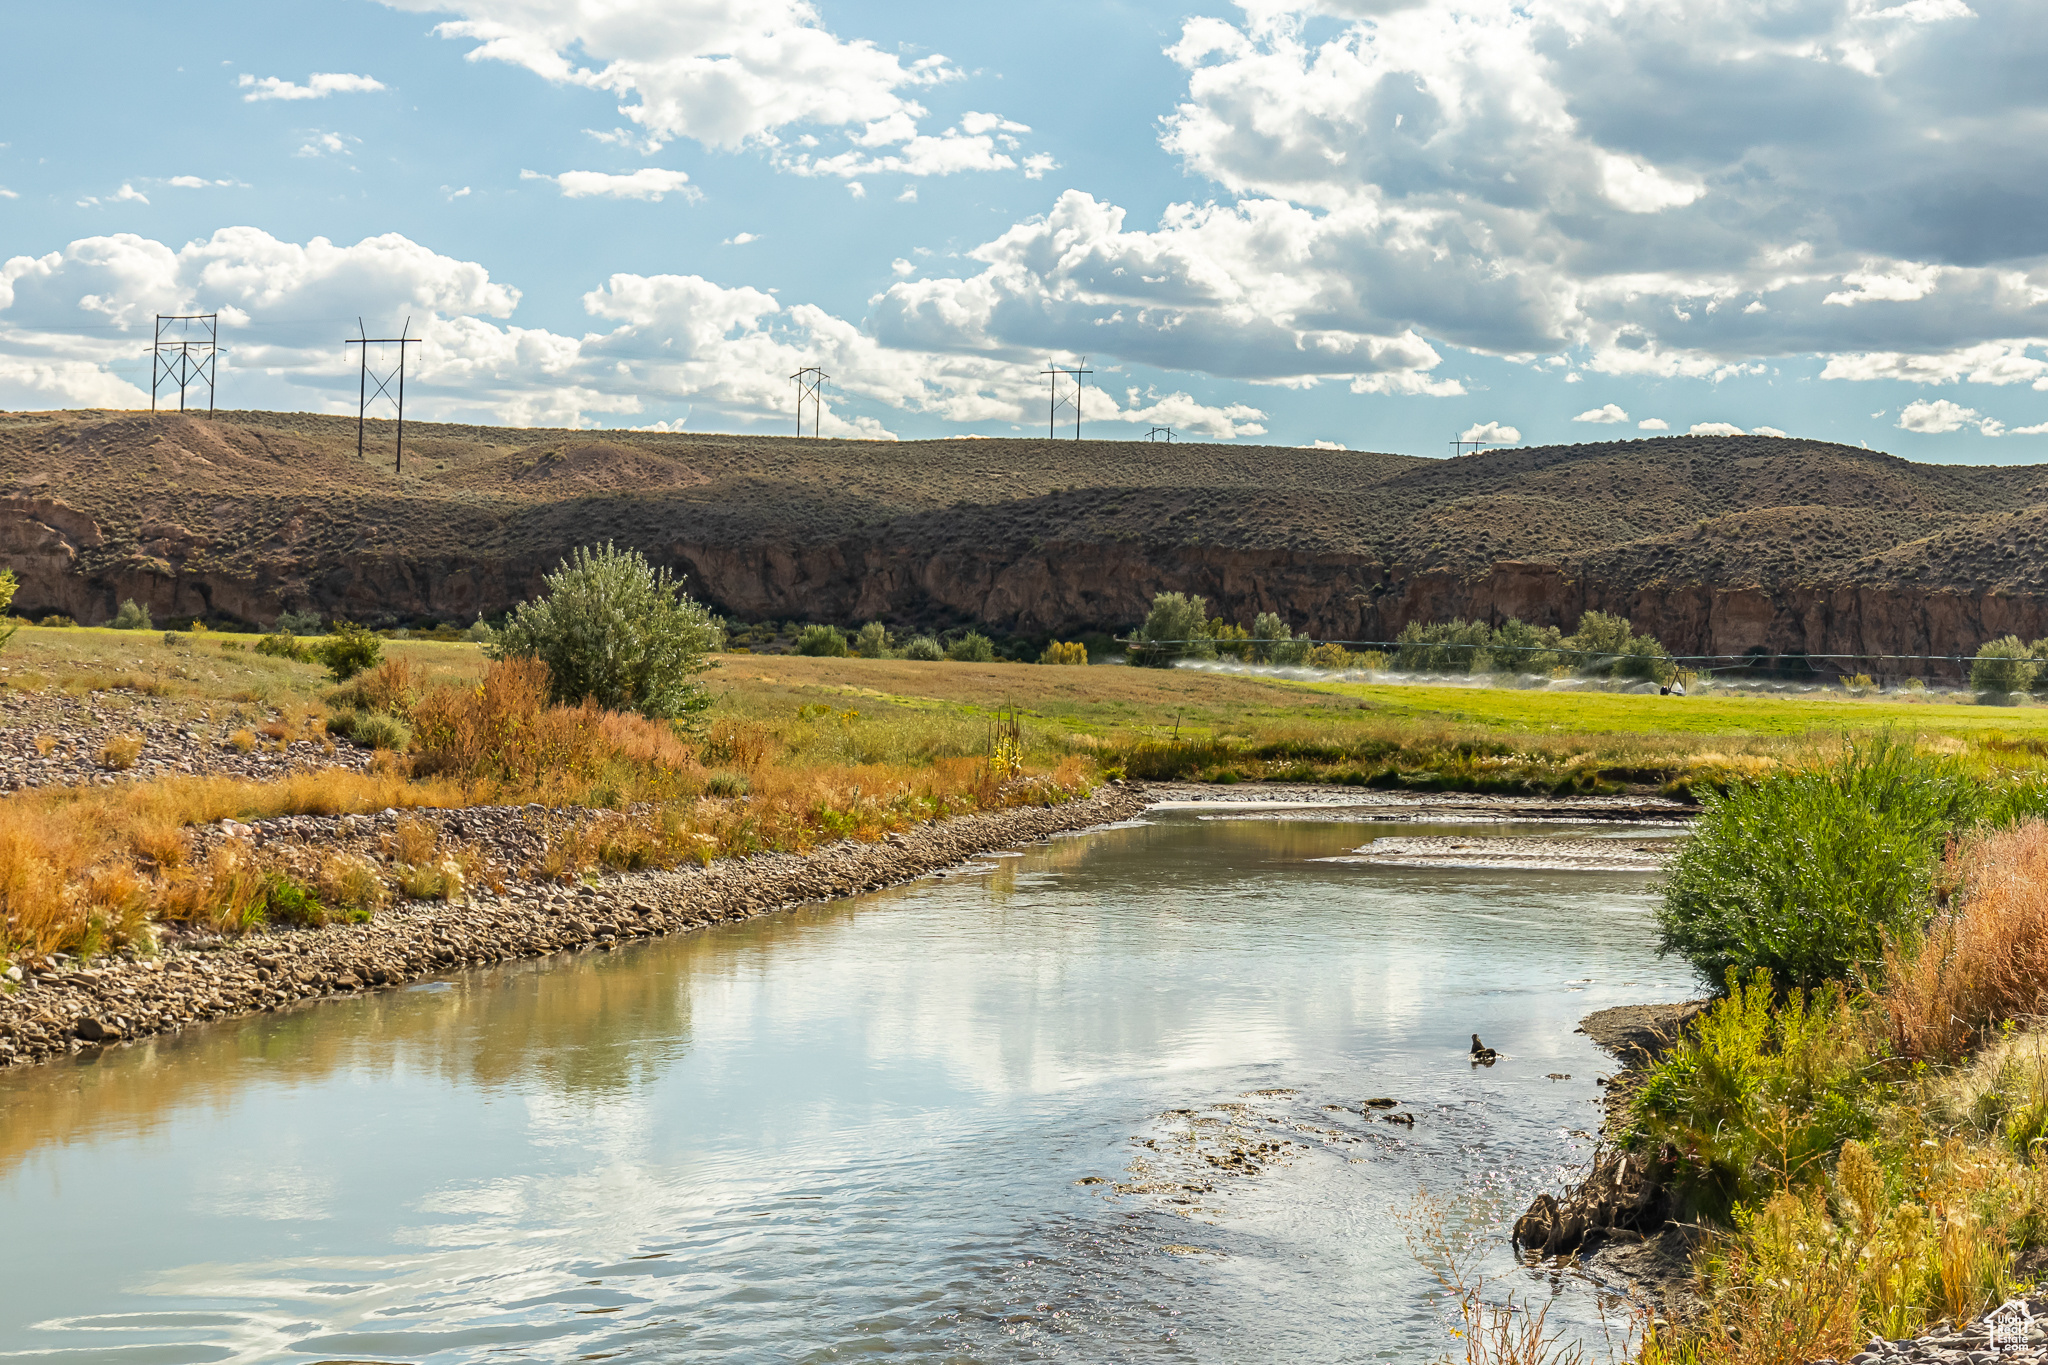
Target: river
<point>965,1119</point>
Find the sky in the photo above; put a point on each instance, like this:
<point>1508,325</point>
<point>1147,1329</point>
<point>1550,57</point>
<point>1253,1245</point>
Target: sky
<point>1370,224</point>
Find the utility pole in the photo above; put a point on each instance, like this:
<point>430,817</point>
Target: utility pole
<point>363,395</point>
<point>810,384</point>
<point>1157,432</point>
<point>1078,375</point>
<point>178,355</point>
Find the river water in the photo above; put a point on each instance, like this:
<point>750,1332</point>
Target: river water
<point>862,1129</point>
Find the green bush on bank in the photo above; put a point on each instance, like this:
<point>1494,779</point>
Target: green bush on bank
<point>614,629</point>
<point>1803,874</point>
<point>822,642</point>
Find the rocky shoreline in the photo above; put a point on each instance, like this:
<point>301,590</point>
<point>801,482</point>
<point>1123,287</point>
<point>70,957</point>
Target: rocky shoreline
<point>51,1014</point>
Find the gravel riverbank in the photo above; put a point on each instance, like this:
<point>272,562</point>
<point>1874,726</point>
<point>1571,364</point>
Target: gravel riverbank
<point>52,1014</point>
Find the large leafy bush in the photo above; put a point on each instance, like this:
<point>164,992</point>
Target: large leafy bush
<point>616,630</point>
<point>1805,874</point>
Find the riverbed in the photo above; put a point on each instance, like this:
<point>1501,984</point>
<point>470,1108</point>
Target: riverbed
<point>976,1117</point>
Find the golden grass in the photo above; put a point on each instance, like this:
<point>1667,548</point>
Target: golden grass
<point>1982,961</point>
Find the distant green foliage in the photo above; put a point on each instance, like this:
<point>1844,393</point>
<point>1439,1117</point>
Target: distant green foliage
<point>1176,628</point>
<point>479,632</point>
<point>1274,643</point>
<point>1065,653</point>
<point>1602,646</point>
<point>822,642</point>
<point>924,649</point>
<point>2004,668</point>
<point>1607,649</point>
<point>872,642</point>
<point>1803,874</point>
<point>1756,1098</point>
<point>972,648</point>
<point>373,729</point>
<point>349,650</point>
<point>615,629</point>
<point>278,645</point>
<point>130,616</point>
<point>299,623</point>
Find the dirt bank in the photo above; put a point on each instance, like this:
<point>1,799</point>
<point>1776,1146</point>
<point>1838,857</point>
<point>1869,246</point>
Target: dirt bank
<point>51,1014</point>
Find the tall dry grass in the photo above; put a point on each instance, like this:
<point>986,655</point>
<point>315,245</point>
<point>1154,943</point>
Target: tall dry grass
<point>1983,960</point>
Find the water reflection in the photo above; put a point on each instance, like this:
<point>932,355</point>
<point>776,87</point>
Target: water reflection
<point>853,1128</point>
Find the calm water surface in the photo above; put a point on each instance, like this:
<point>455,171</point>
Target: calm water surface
<point>856,1129</point>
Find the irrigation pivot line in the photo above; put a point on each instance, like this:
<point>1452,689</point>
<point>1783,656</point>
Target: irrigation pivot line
<point>1078,375</point>
<point>177,355</point>
<point>364,397</point>
<point>810,384</point>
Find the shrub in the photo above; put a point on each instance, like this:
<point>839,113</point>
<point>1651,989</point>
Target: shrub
<point>822,642</point>
<point>132,617</point>
<point>1232,641</point>
<point>1608,649</point>
<point>1273,643</point>
<point>351,883</point>
<point>391,686</point>
<point>348,650</point>
<point>1328,656</point>
<point>479,632</point>
<point>281,646</point>
<point>1756,1097</point>
<point>289,902</point>
<point>1176,628</point>
<point>1456,646</point>
<point>55,620</point>
<point>120,752</point>
<point>872,642</point>
<point>1983,961</point>
<point>1806,874</point>
<point>972,648</point>
<point>505,729</point>
<point>727,784</point>
<point>2003,669</point>
<point>1058,653</point>
<point>298,623</point>
<point>242,741</point>
<point>374,730</point>
<point>617,631</point>
<point>924,649</point>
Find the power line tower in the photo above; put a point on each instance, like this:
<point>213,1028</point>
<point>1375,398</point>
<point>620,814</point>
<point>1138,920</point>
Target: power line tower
<point>1459,446</point>
<point>810,387</point>
<point>1055,374</point>
<point>384,380</point>
<point>1158,432</point>
<point>178,354</point>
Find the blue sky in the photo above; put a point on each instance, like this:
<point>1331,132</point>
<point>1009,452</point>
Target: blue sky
<point>1374,223</point>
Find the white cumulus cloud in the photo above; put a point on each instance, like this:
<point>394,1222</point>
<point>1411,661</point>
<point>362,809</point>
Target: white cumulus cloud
<point>737,73</point>
<point>648,182</point>
<point>1940,416</point>
<point>1493,433</point>
<point>1608,414</point>
<point>319,85</point>
<point>1715,429</point>
<point>1653,424</point>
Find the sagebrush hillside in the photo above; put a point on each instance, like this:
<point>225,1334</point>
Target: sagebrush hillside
<point>247,513</point>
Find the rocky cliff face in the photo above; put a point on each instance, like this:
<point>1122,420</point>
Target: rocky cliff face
<point>1716,545</point>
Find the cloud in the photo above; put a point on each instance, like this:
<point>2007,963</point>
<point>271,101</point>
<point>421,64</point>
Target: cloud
<point>1262,292</point>
<point>741,239</point>
<point>1324,445</point>
<point>1940,416</point>
<point>2039,430</point>
<point>724,351</point>
<point>1653,424</point>
<point>127,194</point>
<point>1492,433</point>
<point>856,189</point>
<point>1715,429</point>
<point>195,182</point>
<point>1766,431</point>
<point>1606,415</point>
<point>909,195</point>
<point>327,144</point>
<point>731,74</point>
<point>319,85</point>
<point>1680,190</point>
<point>648,182</point>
